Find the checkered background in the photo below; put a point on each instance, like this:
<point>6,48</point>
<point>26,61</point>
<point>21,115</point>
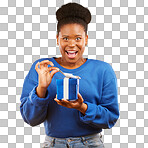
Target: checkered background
<point>118,34</point>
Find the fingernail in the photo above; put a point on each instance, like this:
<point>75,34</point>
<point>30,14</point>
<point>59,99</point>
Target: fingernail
<point>52,64</point>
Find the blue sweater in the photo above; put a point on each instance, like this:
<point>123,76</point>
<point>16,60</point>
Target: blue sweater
<point>98,87</point>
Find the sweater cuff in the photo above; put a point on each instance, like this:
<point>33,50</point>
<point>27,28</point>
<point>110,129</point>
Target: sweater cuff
<point>37,101</point>
<point>90,113</point>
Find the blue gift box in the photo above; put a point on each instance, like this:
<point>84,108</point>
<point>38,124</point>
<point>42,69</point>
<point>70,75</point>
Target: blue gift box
<point>67,88</point>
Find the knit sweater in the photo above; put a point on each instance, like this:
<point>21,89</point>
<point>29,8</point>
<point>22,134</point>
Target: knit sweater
<point>97,86</point>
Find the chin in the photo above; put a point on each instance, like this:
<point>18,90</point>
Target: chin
<point>71,59</point>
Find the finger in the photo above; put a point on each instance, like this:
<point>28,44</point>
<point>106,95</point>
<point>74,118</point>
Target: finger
<point>46,65</point>
<point>46,62</point>
<point>53,72</point>
<point>64,103</point>
<point>56,100</point>
<point>73,101</point>
<point>79,96</point>
<point>65,100</point>
<point>53,68</point>
<point>37,67</point>
<point>68,103</point>
<point>60,102</point>
<point>80,99</point>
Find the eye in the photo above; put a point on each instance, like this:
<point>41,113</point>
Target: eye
<point>78,38</point>
<point>65,38</point>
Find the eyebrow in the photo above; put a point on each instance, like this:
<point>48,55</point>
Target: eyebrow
<point>67,35</point>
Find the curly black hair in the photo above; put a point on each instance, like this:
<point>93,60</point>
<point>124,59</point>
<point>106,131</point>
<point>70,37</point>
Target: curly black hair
<point>71,13</point>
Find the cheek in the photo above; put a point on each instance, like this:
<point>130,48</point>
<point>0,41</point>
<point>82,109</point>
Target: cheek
<point>62,46</point>
<point>81,45</point>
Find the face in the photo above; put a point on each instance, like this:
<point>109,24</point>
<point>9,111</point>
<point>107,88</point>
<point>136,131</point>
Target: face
<point>72,40</point>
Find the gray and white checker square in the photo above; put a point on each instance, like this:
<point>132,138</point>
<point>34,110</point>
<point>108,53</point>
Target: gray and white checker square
<point>118,34</point>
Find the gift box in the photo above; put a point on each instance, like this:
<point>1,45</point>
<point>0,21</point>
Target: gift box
<point>67,88</point>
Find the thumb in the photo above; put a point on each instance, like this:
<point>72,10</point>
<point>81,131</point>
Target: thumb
<point>53,72</point>
<point>80,99</point>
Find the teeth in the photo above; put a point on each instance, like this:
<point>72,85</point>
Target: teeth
<point>71,51</point>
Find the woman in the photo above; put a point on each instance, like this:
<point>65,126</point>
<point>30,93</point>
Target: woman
<point>71,123</point>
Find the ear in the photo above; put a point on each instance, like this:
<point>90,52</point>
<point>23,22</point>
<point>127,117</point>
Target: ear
<point>86,40</point>
<point>57,36</point>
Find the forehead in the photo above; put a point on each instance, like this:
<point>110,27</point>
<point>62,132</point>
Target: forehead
<point>72,29</point>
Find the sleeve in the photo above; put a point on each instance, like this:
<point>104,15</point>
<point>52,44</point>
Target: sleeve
<point>106,113</point>
<point>33,109</point>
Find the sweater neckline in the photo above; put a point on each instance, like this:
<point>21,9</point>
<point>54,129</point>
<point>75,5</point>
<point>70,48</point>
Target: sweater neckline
<point>56,64</point>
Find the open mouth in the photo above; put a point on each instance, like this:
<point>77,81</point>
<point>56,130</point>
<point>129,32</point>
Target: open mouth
<point>71,54</point>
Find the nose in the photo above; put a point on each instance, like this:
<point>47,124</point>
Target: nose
<point>71,43</point>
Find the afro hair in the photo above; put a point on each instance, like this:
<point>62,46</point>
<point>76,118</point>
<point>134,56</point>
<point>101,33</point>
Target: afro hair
<point>73,13</point>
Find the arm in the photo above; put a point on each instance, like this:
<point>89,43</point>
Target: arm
<point>106,113</point>
<point>35,96</point>
<point>33,109</point>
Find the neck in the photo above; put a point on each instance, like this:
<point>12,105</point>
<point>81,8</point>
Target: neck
<point>66,64</point>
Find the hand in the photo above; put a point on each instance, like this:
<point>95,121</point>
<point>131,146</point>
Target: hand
<point>76,104</point>
<point>45,76</point>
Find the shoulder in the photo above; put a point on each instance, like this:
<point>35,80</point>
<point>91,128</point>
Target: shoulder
<point>100,64</point>
<point>102,67</point>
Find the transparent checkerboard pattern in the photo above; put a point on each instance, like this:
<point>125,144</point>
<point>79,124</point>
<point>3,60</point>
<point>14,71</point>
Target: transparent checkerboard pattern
<point>118,34</point>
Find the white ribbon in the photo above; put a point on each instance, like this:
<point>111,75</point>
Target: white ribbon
<point>77,86</point>
<point>66,88</point>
